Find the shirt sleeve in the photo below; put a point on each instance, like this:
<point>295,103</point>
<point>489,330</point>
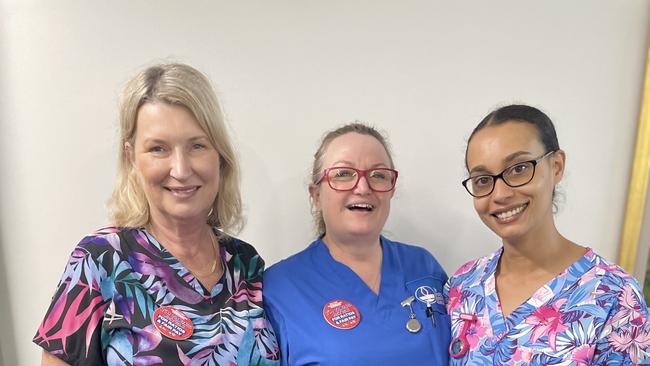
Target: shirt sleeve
<point>275,318</point>
<point>71,329</point>
<point>625,339</point>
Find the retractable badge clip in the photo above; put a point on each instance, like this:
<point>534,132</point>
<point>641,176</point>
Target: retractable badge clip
<point>460,345</point>
<point>412,325</point>
<point>427,295</point>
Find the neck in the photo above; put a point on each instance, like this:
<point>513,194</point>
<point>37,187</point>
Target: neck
<point>543,248</point>
<point>357,250</point>
<point>183,239</point>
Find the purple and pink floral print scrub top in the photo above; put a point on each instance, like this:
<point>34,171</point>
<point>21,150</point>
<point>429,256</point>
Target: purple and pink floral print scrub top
<point>117,279</point>
<point>593,313</point>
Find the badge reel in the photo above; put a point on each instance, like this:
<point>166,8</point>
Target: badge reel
<point>427,295</point>
<point>412,325</point>
<point>459,345</point>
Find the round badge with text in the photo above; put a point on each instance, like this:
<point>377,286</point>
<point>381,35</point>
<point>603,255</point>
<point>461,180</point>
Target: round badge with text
<point>173,323</point>
<point>341,314</point>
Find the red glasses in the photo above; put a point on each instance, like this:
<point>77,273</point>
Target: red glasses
<point>341,178</point>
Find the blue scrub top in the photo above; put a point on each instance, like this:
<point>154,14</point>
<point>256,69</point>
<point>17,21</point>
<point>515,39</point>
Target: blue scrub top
<point>297,289</point>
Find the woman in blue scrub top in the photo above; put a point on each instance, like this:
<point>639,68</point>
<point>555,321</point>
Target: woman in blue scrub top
<point>354,297</point>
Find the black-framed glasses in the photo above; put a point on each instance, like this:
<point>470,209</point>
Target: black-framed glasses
<point>515,175</point>
<point>343,178</point>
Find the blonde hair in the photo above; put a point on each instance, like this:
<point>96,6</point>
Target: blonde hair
<point>317,167</point>
<point>179,85</point>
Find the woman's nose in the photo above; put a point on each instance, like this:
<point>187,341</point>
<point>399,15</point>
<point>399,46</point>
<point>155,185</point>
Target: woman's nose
<point>181,167</point>
<point>501,190</point>
<point>362,186</point>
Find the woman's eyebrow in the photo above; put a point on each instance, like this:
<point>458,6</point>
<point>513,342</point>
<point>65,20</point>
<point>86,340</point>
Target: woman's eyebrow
<point>508,159</point>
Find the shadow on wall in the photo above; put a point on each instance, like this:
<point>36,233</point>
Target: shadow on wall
<point>7,341</point>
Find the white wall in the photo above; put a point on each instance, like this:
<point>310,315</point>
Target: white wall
<point>424,71</point>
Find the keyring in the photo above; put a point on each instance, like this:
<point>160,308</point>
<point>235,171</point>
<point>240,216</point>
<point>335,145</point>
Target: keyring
<point>460,345</point>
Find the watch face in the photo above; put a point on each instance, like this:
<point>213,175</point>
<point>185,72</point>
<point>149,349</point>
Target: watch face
<point>413,325</point>
<point>457,347</point>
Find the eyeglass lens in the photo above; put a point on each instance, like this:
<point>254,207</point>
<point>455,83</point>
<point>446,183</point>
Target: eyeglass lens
<point>515,176</point>
<point>347,178</point>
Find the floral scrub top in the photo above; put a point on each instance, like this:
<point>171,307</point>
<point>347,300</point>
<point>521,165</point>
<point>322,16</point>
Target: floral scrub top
<point>592,313</point>
<point>125,300</point>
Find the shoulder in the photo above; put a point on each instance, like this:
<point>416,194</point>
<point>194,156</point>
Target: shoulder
<point>612,277</point>
<point>241,256</point>
<point>237,246</point>
<point>473,269</point>
<point>101,241</point>
<point>289,273</point>
<point>607,270</point>
<point>291,263</point>
<point>414,255</point>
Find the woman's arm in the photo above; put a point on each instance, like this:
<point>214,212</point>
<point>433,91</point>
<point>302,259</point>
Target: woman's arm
<point>50,360</point>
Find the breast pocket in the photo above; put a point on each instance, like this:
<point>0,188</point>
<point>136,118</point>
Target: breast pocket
<point>429,301</point>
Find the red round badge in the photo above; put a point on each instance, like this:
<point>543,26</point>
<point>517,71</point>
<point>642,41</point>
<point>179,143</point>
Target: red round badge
<point>172,323</point>
<point>341,314</point>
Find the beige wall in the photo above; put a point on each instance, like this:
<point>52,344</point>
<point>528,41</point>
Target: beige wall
<point>424,71</point>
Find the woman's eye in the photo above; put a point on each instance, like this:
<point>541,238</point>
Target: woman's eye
<point>343,173</point>
<point>482,181</point>
<point>198,146</point>
<point>519,168</point>
<point>156,149</point>
<point>378,175</point>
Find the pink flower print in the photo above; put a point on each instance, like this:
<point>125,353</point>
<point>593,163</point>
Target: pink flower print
<point>629,308</point>
<point>523,354</point>
<point>464,268</point>
<point>546,320</point>
<point>475,333</point>
<point>455,298</point>
<point>583,355</point>
<point>631,340</point>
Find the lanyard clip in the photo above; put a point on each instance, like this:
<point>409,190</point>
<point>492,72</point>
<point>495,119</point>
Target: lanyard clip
<point>460,345</point>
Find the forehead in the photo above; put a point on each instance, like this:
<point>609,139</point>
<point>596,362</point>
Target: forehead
<point>357,149</point>
<point>491,146</point>
<point>162,119</point>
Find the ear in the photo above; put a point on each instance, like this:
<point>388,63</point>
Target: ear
<point>558,162</point>
<point>314,194</point>
<point>128,150</point>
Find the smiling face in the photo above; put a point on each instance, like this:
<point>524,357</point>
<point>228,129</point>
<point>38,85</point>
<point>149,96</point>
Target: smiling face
<point>361,212</point>
<point>513,213</point>
<point>177,166</point>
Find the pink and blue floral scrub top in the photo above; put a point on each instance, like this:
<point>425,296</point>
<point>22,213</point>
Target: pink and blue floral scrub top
<point>592,313</point>
<point>117,281</point>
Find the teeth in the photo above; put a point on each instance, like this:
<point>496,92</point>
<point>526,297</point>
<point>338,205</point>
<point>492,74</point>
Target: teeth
<point>186,190</point>
<point>364,206</point>
<point>508,214</point>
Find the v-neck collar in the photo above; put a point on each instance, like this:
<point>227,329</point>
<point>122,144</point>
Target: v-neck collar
<point>349,278</point>
<point>185,274</point>
<point>502,324</point>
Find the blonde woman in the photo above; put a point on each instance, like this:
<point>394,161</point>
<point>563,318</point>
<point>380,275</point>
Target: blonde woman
<point>167,284</point>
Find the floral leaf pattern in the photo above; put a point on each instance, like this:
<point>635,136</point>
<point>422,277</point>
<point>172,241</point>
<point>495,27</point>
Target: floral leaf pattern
<point>590,314</point>
<point>115,279</point>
